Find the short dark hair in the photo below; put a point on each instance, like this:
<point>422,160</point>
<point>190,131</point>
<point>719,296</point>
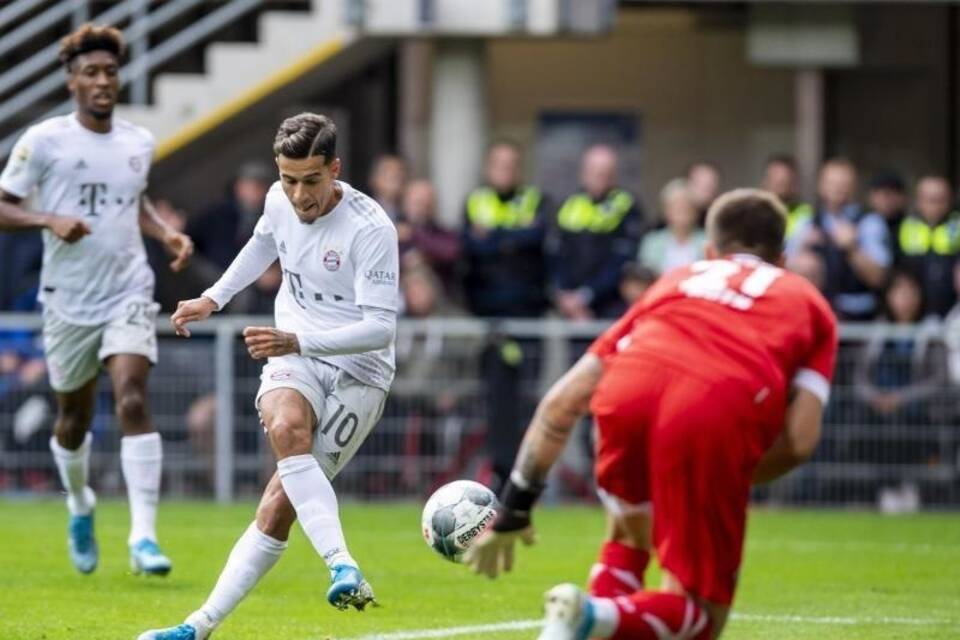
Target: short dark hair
<point>748,220</point>
<point>887,179</point>
<point>897,275</point>
<point>305,135</point>
<point>638,272</point>
<point>91,37</point>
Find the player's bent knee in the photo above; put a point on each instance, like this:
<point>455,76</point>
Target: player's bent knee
<point>71,426</point>
<point>131,407</point>
<point>70,430</point>
<point>290,435</point>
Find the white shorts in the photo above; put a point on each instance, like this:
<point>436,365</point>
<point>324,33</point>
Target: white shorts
<point>346,409</point>
<point>74,352</point>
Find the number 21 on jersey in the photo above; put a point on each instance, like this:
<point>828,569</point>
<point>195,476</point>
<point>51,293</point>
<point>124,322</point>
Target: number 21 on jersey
<point>711,281</point>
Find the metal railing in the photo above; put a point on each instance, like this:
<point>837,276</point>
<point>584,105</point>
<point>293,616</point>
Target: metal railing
<point>444,417</point>
<point>142,18</point>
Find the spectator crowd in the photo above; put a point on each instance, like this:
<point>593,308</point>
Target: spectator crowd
<point>523,253</point>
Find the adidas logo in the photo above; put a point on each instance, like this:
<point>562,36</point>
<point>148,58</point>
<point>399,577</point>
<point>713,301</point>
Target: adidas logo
<point>283,247</point>
<point>80,166</point>
<point>334,457</point>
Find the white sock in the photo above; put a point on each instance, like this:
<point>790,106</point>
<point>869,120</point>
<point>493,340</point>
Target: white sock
<point>252,557</point>
<point>141,458</point>
<point>606,617</point>
<point>74,467</point>
<point>311,494</point>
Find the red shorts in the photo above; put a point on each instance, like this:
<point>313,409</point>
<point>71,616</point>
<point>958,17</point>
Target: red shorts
<point>687,448</point>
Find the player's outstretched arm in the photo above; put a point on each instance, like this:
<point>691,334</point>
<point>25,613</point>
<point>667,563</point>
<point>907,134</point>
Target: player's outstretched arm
<point>14,217</point>
<point>798,440</point>
<point>191,311</point>
<point>255,257</point>
<point>565,403</point>
<point>179,245</point>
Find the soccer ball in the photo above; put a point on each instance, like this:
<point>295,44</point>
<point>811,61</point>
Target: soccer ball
<point>455,515</point>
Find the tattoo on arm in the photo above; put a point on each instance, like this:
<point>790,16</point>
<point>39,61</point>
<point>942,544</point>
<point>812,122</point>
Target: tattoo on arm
<point>566,402</point>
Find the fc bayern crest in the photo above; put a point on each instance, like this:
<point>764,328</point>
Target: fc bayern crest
<point>331,260</point>
<point>136,163</point>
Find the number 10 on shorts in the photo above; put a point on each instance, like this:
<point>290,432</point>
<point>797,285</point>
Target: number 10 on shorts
<point>342,426</point>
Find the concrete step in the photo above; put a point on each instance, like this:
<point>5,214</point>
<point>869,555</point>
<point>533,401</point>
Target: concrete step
<point>233,68</point>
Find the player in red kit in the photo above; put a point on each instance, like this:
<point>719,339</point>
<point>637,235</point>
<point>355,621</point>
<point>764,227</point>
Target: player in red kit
<point>715,380</point>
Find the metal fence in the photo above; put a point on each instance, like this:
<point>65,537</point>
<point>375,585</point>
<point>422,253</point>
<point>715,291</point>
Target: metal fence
<point>463,392</point>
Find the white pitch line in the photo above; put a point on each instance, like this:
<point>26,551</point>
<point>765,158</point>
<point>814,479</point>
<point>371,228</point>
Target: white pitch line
<point>837,620</point>
<point>818,546</point>
<point>517,625</point>
<point>521,625</point>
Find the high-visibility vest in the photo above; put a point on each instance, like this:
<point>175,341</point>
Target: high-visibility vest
<point>581,213</point>
<point>486,209</point>
<point>916,237</point>
<point>799,214</point>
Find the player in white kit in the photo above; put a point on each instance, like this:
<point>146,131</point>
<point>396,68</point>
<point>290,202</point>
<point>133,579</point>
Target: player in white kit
<point>330,359</point>
<point>87,173</point>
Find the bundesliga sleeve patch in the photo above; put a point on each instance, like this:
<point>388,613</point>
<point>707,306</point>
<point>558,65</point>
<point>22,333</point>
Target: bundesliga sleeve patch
<point>19,158</point>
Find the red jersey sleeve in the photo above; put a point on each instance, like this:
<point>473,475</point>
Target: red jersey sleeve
<point>816,372</point>
<point>606,344</point>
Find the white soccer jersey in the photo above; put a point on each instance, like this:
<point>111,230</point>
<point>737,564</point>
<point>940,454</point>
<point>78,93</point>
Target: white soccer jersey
<point>344,260</point>
<point>100,178</point>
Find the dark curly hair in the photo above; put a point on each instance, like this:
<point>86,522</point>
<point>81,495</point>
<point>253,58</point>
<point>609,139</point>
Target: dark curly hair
<point>91,37</point>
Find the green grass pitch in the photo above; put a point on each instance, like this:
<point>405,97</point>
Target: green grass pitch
<point>806,575</point>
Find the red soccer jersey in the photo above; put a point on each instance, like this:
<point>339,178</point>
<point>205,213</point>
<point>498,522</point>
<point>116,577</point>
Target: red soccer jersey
<point>738,318</point>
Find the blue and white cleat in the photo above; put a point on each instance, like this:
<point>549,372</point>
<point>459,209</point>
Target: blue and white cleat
<point>349,589</point>
<point>197,626</point>
<point>568,614</point>
<point>146,557</point>
<point>82,545</point>
<point>179,632</point>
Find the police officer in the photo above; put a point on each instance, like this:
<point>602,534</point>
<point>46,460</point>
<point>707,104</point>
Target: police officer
<point>928,242</point>
<point>503,236</point>
<point>597,230</point>
<point>780,178</point>
<point>853,246</point>
<point>887,196</point>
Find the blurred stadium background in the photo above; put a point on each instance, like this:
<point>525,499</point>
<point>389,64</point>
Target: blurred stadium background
<point>419,89</point>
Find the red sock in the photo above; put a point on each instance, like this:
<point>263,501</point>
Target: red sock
<point>652,615</point>
<point>618,571</point>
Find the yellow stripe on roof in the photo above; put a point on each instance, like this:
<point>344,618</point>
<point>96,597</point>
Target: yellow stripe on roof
<point>233,106</point>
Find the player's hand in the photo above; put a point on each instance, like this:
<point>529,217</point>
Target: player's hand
<point>180,246</point>
<point>67,228</point>
<point>492,553</point>
<point>191,311</point>
<point>268,342</point>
